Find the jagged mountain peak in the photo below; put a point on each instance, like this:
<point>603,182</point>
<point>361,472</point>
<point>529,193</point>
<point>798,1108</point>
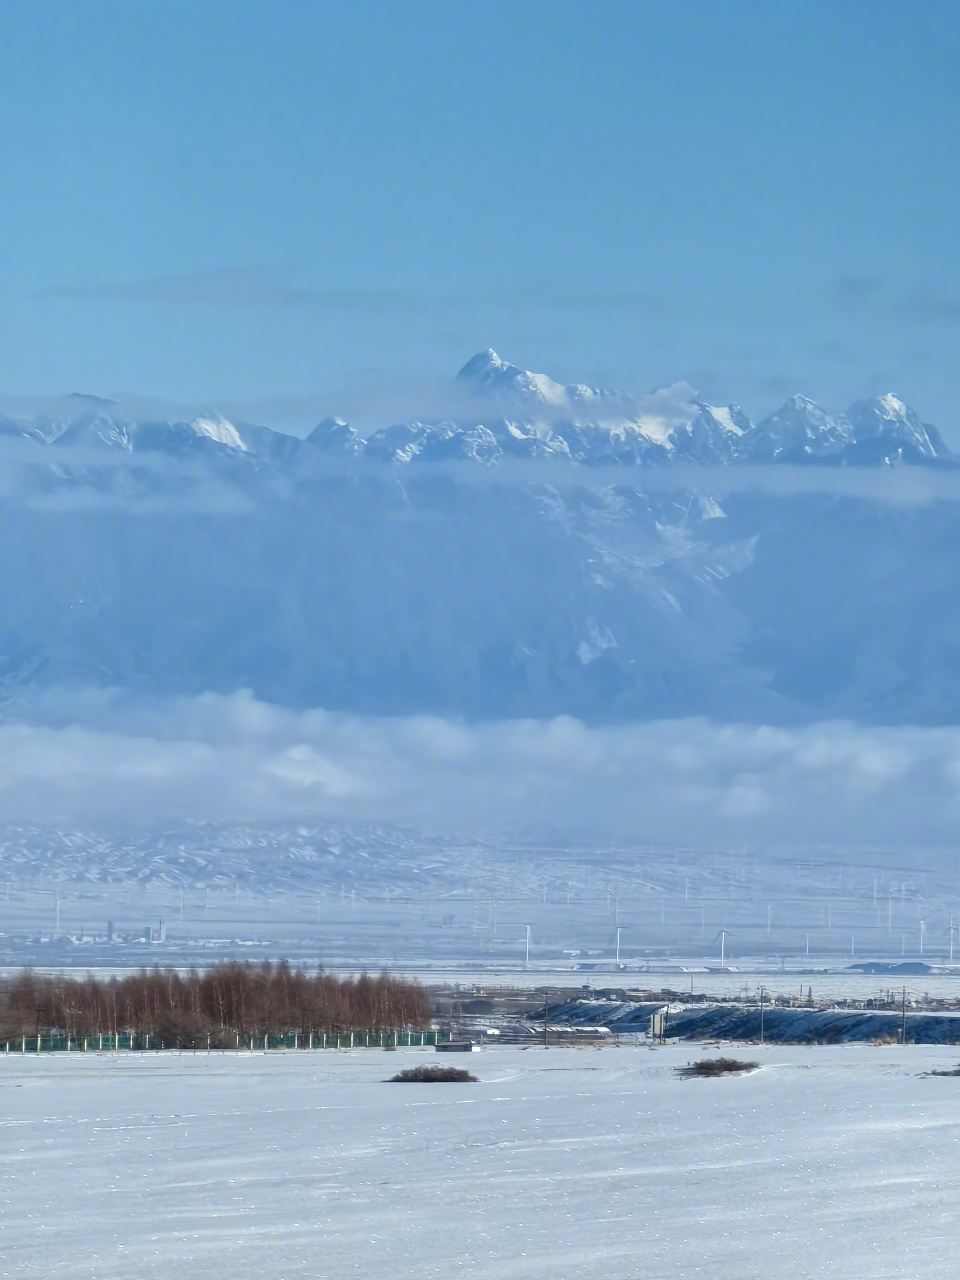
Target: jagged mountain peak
<point>892,406</point>
<point>886,430</point>
<point>885,408</point>
<point>334,435</point>
<point>800,431</point>
<point>215,427</point>
<point>802,404</point>
<point>489,374</point>
<point>484,365</point>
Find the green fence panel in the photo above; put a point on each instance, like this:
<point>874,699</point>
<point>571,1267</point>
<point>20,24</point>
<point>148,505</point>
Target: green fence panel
<point>286,1040</point>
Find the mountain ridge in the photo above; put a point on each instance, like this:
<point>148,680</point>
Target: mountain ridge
<point>511,413</point>
<point>594,579</point>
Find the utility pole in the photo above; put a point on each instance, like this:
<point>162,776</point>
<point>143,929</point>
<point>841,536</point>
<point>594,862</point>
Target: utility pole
<point>903,1022</point>
<point>761,1015</point>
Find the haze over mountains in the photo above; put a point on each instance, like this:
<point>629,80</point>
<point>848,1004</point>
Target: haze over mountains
<point>550,550</point>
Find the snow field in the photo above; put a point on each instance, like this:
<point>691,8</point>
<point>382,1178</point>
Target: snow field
<point>828,1162</point>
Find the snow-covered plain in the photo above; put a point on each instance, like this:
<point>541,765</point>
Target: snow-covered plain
<point>435,904</point>
<point>829,1162</point>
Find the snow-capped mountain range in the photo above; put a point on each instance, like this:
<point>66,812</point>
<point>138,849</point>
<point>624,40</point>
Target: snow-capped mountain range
<point>592,576</point>
<point>510,413</point>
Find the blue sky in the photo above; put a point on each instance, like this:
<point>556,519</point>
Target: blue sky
<point>258,205</point>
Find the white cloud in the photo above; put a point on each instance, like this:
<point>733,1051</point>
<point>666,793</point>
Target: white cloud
<point>93,756</point>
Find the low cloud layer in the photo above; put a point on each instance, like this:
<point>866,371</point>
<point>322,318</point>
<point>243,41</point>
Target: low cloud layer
<point>192,484</point>
<point>92,756</point>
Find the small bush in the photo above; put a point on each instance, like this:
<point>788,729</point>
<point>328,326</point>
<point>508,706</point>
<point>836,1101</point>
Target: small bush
<point>717,1067</point>
<point>432,1075</point>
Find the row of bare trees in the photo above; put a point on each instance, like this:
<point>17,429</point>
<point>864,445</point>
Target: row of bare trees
<point>228,1001</point>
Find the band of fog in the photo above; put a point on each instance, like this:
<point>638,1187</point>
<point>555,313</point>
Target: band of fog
<point>234,758</point>
<point>193,486</point>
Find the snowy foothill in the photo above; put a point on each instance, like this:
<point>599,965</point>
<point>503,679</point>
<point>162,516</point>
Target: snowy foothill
<point>826,1162</point>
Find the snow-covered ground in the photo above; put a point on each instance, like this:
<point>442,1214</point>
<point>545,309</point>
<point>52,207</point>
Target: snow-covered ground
<point>836,1162</point>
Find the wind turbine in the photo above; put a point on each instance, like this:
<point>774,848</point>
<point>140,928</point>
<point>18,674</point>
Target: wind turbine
<point>722,935</point>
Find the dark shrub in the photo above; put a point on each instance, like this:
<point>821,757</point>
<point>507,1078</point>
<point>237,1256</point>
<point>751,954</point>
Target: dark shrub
<point>431,1075</point>
<point>716,1067</point>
